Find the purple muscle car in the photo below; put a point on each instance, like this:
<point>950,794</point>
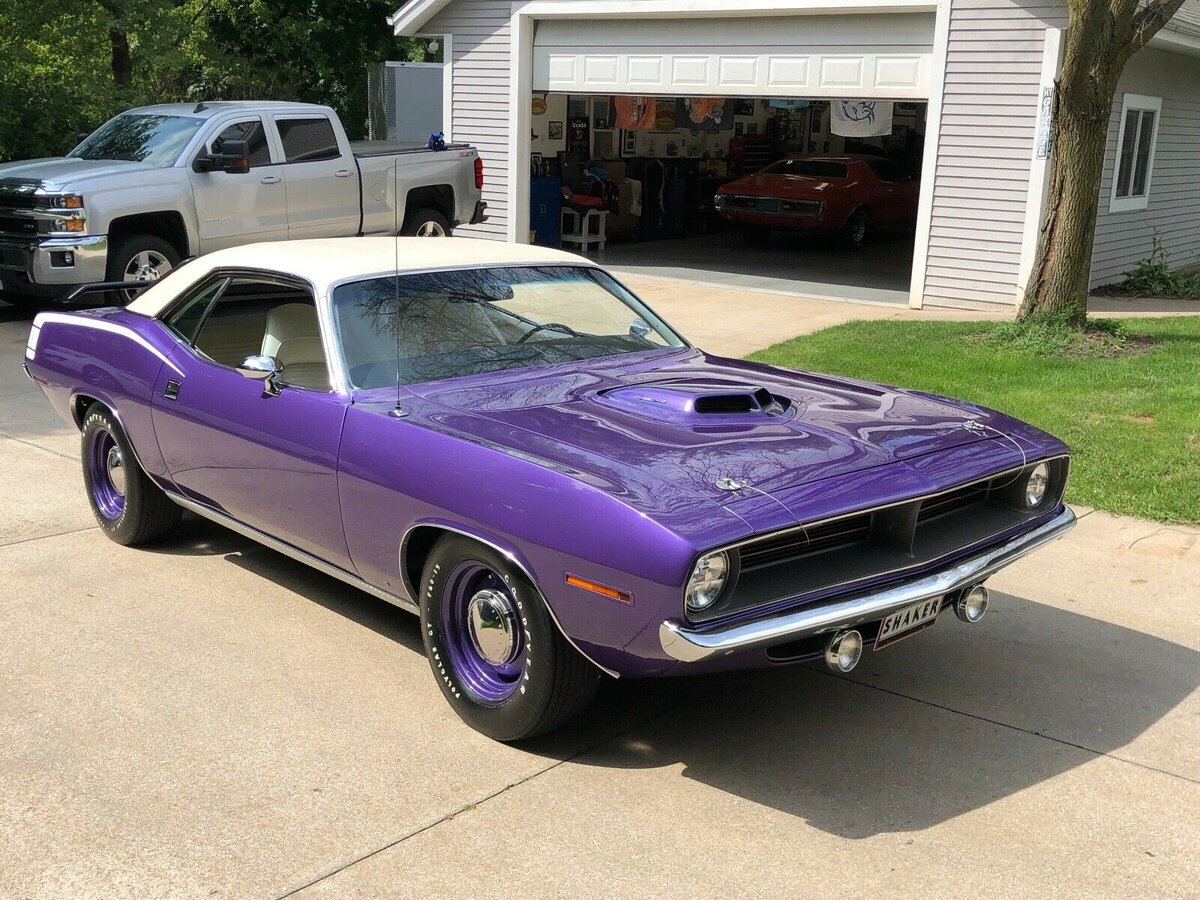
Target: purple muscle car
<point>507,442</point>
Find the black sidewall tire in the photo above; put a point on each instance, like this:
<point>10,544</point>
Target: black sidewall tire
<point>147,512</point>
<point>419,217</point>
<point>521,715</point>
<point>126,248</point>
<point>849,239</point>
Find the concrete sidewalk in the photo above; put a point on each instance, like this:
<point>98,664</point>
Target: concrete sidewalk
<point>207,718</point>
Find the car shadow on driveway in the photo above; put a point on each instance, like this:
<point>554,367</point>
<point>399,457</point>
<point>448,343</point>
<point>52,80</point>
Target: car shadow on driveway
<point>942,724</point>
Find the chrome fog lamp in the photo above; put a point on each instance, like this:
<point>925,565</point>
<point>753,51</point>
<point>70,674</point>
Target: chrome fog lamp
<point>843,651</point>
<point>707,581</point>
<point>1035,487</point>
<point>973,604</point>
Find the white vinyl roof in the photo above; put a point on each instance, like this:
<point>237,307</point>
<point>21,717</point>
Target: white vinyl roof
<point>324,262</point>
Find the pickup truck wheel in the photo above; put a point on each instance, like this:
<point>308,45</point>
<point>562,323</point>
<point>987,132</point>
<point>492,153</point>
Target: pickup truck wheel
<point>494,650</point>
<point>139,257</point>
<point>425,223</point>
<point>854,232</point>
<point>130,508</point>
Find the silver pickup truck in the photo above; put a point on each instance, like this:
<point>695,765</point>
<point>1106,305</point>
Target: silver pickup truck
<point>158,184</point>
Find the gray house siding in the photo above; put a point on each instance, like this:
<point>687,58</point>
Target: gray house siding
<point>480,116</point>
<point>989,118</point>
<point>1124,238</point>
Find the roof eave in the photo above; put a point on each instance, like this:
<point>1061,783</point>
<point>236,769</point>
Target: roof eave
<point>408,19</point>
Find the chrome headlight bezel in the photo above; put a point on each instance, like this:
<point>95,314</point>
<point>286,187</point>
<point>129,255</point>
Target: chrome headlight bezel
<point>707,582</point>
<point>1037,486</point>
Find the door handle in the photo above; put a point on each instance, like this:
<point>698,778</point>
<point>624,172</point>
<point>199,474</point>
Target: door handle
<point>342,173</point>
<point>270,179</point>
<point>172,390</point>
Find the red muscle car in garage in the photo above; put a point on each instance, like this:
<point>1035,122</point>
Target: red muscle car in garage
<point>843,194</point>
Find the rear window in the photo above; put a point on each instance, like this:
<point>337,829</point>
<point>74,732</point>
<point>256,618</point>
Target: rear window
<point>307,140</point>
<point>813,168</point>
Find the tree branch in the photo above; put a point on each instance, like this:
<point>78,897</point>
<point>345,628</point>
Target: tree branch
<point>1148,22</point>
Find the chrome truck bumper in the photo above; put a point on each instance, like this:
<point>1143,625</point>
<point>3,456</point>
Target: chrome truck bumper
<point>687,645</point>
<point>51,267</point>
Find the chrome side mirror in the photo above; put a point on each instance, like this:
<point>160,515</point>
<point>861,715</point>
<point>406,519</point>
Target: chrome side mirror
<point>265,369</point>
<point>638,328</point>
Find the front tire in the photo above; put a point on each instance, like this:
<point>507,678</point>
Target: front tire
<point>139,257</point>
<point>498,657</point>
<point>854,233</point>
<point>129,507</point>
<point>426,223</point>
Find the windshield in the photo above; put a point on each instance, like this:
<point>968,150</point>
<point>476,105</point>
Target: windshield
<point>157,140</point>
<point>813,168</point>
<point>435,325</point>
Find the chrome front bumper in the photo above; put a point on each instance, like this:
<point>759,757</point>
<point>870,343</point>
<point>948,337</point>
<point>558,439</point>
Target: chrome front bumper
<point>28,266</point>
<point>686,645</point>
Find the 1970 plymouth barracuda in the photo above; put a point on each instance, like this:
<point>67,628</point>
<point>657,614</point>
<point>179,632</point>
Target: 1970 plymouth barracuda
<point>507,442</point>
<point>845,195</point>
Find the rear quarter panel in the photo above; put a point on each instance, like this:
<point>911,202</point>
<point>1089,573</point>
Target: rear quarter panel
<point>108,355</point>
<point>386,181</point>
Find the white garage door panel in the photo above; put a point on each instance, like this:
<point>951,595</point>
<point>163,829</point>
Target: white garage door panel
<point>799,56</point>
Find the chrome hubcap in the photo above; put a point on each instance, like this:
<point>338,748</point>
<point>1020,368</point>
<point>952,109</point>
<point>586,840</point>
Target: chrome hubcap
<point>116,470</point>
<point>149,265</point>
<point>493,627</point>
<point>431,229</point>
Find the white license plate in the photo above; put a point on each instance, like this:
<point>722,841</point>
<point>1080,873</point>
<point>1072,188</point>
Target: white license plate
<point>908,621</point>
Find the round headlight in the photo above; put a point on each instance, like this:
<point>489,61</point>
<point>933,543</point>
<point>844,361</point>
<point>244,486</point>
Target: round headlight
<point>1035,487</point>
<point>707,581</point>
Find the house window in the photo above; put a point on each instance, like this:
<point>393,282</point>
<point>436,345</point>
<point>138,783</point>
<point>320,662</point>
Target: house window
<point>1138,132</point>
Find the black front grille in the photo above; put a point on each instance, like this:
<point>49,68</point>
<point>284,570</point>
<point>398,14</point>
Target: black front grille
<point>952,501</point>
<point>830,536</point>
<point>18,226</point>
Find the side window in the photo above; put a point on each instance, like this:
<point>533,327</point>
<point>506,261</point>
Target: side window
<point>886,170</point>
<point>307,140</point>
<point>262,317</point>
<point>187,318</point>
<point>1136,137</point>
<point>252,133</point>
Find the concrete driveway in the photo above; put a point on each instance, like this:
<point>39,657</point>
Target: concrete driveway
<point>208,718</point>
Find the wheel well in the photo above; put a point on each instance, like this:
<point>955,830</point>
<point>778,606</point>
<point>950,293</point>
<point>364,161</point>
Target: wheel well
<point>439,197</point>
<point>80,404</point>
<point>417,547</point>
<point>166,225</point>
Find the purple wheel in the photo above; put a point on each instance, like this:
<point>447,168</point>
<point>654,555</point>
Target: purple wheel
<point>484,640</point>
<point>105,474</point>
<point>128,505</point>
<point>498,657</point>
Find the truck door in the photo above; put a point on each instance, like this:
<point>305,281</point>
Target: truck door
<point>322,179</point>
<point>234,208</point>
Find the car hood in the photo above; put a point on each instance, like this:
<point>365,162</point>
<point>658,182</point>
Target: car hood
<point>59,172</point>
<point>687,424</point>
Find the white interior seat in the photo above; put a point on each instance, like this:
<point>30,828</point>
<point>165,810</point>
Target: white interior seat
<point>293,337</point>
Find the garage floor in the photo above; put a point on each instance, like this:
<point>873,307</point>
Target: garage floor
<point>810,266</point>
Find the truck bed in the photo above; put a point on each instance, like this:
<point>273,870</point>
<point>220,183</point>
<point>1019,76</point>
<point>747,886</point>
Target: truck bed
<point>366,149</point>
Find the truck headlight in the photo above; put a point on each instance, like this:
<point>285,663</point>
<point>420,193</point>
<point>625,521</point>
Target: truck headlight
<point>707,580</point>
<point>1035,487</point>
<point>69,226</point>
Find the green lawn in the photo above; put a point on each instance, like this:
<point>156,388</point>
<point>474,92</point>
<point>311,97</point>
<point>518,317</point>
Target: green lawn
<point>1133,422</point>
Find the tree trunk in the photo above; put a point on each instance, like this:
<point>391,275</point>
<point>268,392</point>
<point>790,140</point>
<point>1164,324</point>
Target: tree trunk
<point>1058,284</point>
<point>122,65</point>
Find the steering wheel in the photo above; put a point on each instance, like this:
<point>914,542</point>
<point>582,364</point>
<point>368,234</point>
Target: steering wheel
<point>547,326</point>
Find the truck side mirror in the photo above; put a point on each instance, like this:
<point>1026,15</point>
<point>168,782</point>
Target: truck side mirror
<point>234,157</point>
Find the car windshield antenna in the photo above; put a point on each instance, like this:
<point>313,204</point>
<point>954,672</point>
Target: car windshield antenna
<point>398,411</point>
<point>200,107</point>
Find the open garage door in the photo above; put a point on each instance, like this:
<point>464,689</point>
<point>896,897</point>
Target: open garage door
<point>885,56</point>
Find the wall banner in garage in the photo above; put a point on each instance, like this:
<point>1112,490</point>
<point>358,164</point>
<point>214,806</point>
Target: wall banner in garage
<point>861,118</point>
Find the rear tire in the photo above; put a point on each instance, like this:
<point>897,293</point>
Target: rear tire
<point>423,222</point>
<point>498,657</point>
<point>130,508</point>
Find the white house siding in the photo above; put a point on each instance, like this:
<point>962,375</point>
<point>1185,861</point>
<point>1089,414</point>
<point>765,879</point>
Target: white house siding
<point>989,118</point>
<point>1124,238</point>
<point>480,115</point>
